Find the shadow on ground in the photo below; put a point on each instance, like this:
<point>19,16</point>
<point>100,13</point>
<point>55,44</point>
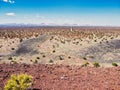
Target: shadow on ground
<point>106,52</point>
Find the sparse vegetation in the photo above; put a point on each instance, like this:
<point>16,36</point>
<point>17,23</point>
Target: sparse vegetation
<point>13,42</point>
<point>51,38</point>
<point>63,42</point>
<point>53,46</point>
<point>107,41</point>
<point>57,54</point>
<point>84,58</point>
<point>96,64</point>
<point>91,57</point>
<point>13,62</point>
<point>112,38</point>
<point>51,61</point>
<point>19,82</point>
<point>10,58</point>
<point>21,40</point>
<point>69,57</point>
<point>43,56</point>
<point>53,51</point>
<point>114,64</point>
<point>31,60</point>
<point>61,57</point>
<point>37,57</point>
<point>0,46</point>
<point>95,40</point>
<point>21,59</point>
<point>85,64</point>
<point>12,48</point>
<point>36,61</point>
<point>36,35</point>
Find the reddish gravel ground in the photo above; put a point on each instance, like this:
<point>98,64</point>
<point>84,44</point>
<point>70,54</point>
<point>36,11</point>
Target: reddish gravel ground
<point>61,77</point>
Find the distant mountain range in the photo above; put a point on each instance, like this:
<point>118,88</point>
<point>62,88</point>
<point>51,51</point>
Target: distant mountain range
<point>34,25</point>
<point>18,25</point>
<point>45,25</point>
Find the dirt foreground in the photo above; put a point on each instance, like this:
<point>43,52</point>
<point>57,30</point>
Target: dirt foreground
<point>61,77</point>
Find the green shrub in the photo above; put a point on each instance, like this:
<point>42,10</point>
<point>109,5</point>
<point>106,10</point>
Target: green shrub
<point>51,61</point>
<point>84,58</point>
<point>61,57</point>
<point>96,64</point>
<point>36,35</point>
<point>85,64</point>
<point>10,58</point>
<point>37,57</point>
<point>21,40</point>
<point>115,64</point>
<point>69,57</point>
<point>12,48</point>
<point>53,51</point>
<point>19,82</point>
<point>13,62</point>
<point>43,56</point>
<point>36,61</point>
<point>63,42</point>
<point>95,40</point>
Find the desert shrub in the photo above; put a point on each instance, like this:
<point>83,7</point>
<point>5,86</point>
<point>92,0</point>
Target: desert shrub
<point>61,57</point>
<point>21,59</point>
<point>10,58</point>
<point>36,61</point>
<point>37,57</point>
<point>107,41</point>
<point>69,57</point>
<point>114,64</point>
<point>19,82</point>
<point>0,46</point>
<point>112,38</point>
<point>84,58</point>
<point>95,40</point>
<point>63,42</point>
<point>21,40</point>
<point>51,61</point>
<point>91,57</point>
<point>85,64</point>
<point>13,62</point>
<point>14,58</point>
<point>31,60</point>
<point>36,35</point>
<point>96,64</point>
<point>53,46</point>
<point>43,56</point>
<point>51,38</point>
<point>12,41</point>
<point>53,51</point>
<point>12,48</point>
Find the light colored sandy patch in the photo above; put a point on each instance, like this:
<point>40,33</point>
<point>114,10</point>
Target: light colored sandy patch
<point>51,49</point>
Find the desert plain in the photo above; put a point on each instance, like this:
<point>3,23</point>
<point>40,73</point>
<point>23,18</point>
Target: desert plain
<point>62,58</point>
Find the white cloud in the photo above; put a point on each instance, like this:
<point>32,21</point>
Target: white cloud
<point>5,0</point>
<point>9,1</point>
<point>38,16</point>
<point>10,14</point>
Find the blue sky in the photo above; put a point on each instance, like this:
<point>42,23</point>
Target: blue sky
<point>80,12</point>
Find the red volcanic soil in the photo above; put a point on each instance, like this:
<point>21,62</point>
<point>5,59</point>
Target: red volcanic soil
<point>61,77</point>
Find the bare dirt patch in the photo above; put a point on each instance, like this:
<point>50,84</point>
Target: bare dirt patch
<point>62,77</point>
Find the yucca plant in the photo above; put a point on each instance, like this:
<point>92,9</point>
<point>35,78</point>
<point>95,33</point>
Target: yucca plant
<point>19,82</point>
